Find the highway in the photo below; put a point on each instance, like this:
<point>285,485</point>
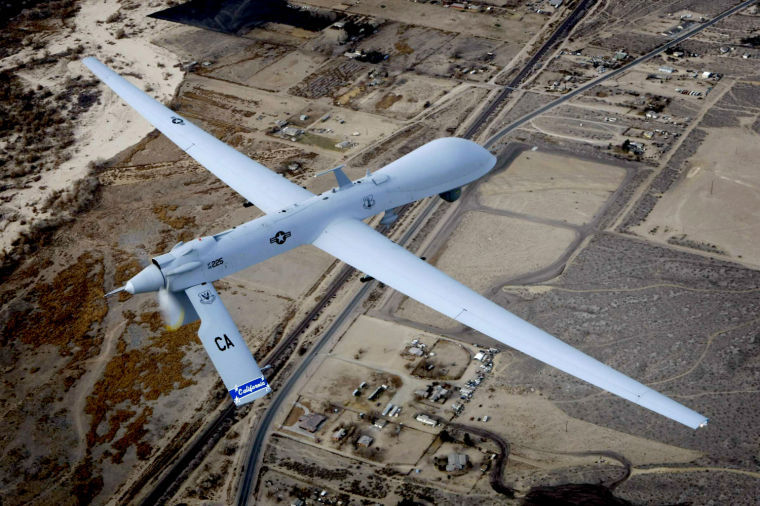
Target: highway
<point>609,75</point>
<point>562,31</point>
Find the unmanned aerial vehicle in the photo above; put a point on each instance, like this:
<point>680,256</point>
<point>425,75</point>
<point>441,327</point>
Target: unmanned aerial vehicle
<point>332,221</point>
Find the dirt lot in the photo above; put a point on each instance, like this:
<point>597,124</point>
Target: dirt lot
<point>462,482</point>
<point>382,344</point>
<point>294,470</point>
<point>337,379</point>
<point>287,70</point>
<point>517,27</point>
<point>408,96</point>
<point>714,204</point>
<point>553,187</point>
<point>257,110</point>
<point>449,358</point>
<point>469,51</point>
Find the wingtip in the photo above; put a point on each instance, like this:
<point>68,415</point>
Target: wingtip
<point>88,61</point>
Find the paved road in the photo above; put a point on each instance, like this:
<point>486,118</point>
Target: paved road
<point>562,31</point>
<point>609,75</point>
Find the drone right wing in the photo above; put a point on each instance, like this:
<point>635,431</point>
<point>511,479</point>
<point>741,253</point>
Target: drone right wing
<point>225,346</point>
<point>369,251</point>
<point>267,190</point>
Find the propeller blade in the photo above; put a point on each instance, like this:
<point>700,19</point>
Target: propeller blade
<point>176,308</point>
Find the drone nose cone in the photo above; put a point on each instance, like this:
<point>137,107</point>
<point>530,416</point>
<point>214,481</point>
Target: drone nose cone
<point>149,279</point>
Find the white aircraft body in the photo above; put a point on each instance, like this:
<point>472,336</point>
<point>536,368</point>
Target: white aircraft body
<point>332,222</point>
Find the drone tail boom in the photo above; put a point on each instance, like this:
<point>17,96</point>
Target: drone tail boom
<point>226,347</point>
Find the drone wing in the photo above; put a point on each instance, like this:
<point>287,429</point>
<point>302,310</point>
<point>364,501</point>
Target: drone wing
<point>362,247</point>
<point>267,190</point>
<point>224,344</point>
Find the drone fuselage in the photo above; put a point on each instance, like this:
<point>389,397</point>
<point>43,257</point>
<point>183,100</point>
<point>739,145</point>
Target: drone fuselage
<point>456,162</point>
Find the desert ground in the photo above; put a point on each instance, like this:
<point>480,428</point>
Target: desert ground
<point>621,221</point>
<point>712,205</point>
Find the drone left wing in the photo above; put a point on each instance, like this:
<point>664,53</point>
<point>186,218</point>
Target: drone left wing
<point>362,247</point>
<point>226,347</point>
<point>267,190</point>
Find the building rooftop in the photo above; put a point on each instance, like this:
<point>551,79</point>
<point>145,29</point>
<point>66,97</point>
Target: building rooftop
<point>416,351</point>
<point>456,461</point>
<point>365,441</point>
<point>311,422</point>
<point>422,418</point>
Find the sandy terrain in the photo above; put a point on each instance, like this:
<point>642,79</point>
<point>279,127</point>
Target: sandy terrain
<point>717,201</point>
<point>551,186</point>
<point>94,390</point>
<point>110,126</point>
<point>486,247</point>
<point>287,71</point>
<point>382,343</point>
<point>518,27</point>
<point>260,109</point>
<point>533,422</point>
<point>406,97</point>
